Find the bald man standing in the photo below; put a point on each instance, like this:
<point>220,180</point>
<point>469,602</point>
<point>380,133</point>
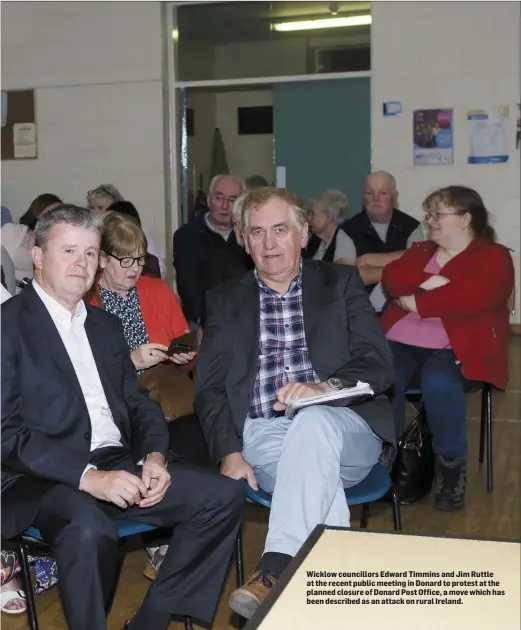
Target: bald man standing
<point>380,233</point>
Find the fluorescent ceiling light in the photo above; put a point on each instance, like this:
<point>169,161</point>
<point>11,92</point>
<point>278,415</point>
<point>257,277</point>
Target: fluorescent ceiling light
<point>334,22</point>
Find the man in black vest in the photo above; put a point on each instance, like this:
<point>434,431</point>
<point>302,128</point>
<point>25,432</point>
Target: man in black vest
<point>380,233</point>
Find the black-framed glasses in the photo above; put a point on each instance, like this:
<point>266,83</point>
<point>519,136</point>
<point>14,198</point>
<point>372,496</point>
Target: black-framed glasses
<point>128,261</point>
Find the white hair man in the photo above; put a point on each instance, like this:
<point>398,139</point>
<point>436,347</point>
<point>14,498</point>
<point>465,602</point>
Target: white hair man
<point>288,330</point>
<point>206,251</point>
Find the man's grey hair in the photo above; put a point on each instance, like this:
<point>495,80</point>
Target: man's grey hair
<point>105,190</point>
<point>255,181</point>
<point>69,215</point>
<point>333,203</point>
<point>217,179</point>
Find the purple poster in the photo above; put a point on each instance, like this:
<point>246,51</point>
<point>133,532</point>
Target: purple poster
<point>433,137</point>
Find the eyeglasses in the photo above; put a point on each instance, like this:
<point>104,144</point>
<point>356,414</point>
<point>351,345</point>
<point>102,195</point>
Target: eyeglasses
<point>435,216</point>
<point>128,261</point>
<point>222,199</point>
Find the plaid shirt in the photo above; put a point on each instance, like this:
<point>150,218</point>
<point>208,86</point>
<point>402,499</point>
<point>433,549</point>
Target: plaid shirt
<point>283,351</point>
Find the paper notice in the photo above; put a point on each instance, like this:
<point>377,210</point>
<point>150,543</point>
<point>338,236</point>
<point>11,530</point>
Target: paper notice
<point>24,140</point>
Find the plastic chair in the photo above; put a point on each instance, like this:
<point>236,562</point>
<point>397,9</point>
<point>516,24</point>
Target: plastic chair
<point>375,486</point>
<point>485,435</point>
<point>32,538</point>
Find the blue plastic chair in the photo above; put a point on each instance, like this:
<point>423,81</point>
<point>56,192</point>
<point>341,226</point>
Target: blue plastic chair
<point>485,433</point>
<point>32,538</point>
<point>375,486</point>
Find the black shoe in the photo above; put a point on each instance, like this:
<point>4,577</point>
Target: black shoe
<point>450,483</point>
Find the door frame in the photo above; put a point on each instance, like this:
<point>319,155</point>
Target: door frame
<point>174,162</point>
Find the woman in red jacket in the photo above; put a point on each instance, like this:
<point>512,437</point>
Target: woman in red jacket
<point>448,325</point>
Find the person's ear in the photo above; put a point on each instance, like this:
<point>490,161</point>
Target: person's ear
<point>102,261</point>
<point>304,235</point>
<point>37,256</point>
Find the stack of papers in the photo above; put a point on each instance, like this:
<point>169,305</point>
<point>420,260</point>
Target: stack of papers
<point>336,398</point>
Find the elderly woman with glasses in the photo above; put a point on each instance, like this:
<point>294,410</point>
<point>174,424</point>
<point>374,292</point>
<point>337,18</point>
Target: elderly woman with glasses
<point>107,197</point>
<point>448,325</point>
<point>147,307</point>
<point>326,212</point>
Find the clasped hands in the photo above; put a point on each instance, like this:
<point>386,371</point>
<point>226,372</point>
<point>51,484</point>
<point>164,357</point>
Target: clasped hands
<point>125,489</point>
<point>408,302</point>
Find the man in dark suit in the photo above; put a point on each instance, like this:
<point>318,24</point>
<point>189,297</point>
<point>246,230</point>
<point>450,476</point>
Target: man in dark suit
<point>72,414</point>
<point>290,330</point>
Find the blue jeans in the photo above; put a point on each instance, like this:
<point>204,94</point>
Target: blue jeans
<point>437,375</point>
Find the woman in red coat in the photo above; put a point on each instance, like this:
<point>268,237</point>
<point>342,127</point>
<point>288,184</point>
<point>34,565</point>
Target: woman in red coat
<point>448,325</point>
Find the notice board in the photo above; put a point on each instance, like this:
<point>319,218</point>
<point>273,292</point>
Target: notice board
<point>19,126</point>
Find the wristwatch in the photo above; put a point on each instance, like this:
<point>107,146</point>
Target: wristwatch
<point>335,383</point>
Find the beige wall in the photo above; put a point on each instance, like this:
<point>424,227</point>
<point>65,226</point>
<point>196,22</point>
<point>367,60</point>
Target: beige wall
<point>463,55</point>
<point>97,71</point>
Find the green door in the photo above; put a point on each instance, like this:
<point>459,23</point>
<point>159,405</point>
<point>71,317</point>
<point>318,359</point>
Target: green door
<point>323,136</point>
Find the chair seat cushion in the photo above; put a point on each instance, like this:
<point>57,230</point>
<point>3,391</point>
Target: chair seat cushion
<point>372,488</point>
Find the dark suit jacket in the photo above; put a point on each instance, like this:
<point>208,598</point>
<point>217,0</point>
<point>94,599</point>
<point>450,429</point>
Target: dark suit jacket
<point>343,335</point>
<point>46,429</point>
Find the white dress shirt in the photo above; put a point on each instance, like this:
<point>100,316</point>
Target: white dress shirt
<point>71,328</point>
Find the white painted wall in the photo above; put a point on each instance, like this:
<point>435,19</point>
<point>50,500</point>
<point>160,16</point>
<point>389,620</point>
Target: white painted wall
<point>97,71</point>
<point>463,55</point>
<point>251,154</point>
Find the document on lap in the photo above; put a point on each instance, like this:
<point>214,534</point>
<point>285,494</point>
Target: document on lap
<point>336,398</point>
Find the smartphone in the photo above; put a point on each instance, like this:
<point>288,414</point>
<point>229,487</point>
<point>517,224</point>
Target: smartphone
<point>184,343</point>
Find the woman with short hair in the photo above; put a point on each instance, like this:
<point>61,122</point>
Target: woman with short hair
<point>107,197</point>
<point>326,212</point>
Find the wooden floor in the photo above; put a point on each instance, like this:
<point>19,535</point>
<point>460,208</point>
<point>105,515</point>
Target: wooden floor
<point>495,515</point>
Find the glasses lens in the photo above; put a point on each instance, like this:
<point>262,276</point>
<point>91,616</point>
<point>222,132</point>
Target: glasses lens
<point>127,262</point>
<point>141,261</point>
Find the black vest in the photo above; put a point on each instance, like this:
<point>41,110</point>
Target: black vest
<point>366,238</point>
<point>314,244</point>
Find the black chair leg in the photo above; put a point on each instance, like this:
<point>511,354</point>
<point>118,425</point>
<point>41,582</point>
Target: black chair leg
<point>239,572</point>
<point>27,584</point>
<point>188,623</point>
<point>397,516</point>
<point>483,425</point>
<point>488,394</point>
<point>365,516</point>
<point>239,560</point>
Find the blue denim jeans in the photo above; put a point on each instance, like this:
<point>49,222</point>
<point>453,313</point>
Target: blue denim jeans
<point>436,373</point>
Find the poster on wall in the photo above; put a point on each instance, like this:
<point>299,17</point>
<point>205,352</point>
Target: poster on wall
<point>488,135</point>
<point>433,137</point>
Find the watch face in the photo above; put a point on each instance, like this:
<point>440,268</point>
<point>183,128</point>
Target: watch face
<point>335,383</point>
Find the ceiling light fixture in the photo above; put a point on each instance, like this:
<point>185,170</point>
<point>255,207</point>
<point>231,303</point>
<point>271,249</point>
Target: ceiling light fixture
<point>309,25</point>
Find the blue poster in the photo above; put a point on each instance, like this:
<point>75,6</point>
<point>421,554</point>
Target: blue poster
<point>433,137</point>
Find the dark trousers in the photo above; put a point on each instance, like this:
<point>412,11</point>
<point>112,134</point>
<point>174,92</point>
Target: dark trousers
<point>437,375</point>
<point>203,507</point>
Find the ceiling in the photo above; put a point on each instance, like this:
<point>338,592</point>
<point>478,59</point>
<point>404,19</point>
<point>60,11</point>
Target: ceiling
<point>226,22</point>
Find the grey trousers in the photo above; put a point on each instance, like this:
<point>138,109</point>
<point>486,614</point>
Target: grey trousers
<point>307,462</point>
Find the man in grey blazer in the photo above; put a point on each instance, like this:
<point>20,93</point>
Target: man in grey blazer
<point>288,330</point>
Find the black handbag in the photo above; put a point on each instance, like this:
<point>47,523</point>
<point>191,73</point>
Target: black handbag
<point>413,469</point>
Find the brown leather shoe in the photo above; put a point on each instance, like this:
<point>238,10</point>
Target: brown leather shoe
<point>245,600</point>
